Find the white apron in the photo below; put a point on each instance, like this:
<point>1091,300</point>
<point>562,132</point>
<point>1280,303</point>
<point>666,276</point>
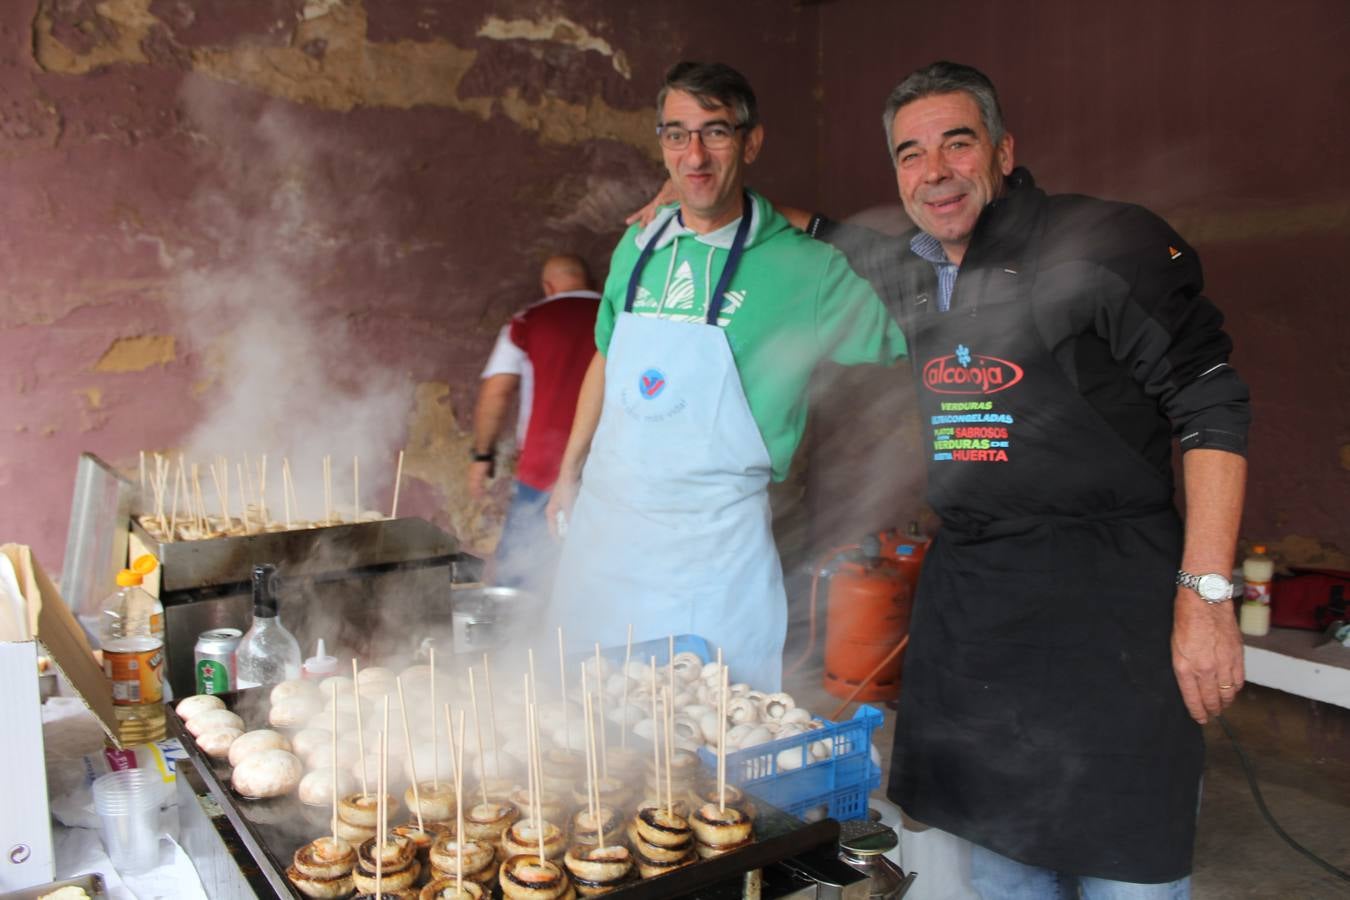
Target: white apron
<point>671,530</point>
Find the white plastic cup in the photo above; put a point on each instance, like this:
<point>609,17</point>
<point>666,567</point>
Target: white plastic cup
<point>127,804</point>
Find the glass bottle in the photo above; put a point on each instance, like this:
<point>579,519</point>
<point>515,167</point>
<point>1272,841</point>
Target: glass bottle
<point>268,654</point>
<point>132,637</point>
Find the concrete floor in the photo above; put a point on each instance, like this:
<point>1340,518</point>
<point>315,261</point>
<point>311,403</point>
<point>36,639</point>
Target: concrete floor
<point>1300,751</point>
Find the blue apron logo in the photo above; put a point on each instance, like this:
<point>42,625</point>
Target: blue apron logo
<point>651,384</point>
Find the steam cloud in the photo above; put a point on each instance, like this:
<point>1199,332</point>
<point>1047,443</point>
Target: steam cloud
<point>289,376</point>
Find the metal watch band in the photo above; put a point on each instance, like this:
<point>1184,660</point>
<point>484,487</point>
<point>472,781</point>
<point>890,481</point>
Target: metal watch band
<point>1187,580</point>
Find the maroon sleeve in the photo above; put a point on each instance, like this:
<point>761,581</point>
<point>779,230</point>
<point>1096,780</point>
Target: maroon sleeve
<point>520,331</point>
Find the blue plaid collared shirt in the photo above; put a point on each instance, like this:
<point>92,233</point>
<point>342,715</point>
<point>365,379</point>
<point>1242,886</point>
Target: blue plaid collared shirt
<point>929,248</point>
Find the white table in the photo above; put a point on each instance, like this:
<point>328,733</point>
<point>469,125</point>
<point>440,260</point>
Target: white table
<point>1300,662</point>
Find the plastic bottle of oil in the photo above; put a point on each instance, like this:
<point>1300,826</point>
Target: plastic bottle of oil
<point>133,655</point>
<point>1258,570</point>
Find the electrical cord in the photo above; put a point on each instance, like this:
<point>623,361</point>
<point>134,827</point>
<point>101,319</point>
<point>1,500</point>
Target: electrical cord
<point>1265,812</point>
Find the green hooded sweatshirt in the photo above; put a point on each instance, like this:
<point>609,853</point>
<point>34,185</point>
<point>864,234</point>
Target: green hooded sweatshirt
<point>792,302</point>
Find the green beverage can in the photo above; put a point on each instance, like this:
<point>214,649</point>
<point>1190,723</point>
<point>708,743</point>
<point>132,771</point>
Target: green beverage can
<point>214,656</point>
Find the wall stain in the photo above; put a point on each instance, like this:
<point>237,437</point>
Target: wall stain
<point>93,397</point>
<point>136,354</point>
<point>1308,551</point>
<point>354,72</point>
<point>556,29</point>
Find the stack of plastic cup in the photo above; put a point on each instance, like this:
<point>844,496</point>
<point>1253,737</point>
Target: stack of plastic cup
<point>127,804</point>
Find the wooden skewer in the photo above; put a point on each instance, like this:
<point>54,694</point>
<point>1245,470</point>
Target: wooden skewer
<point>286,489</point>
<point>656,735</point>
<point>327,489</point>
<point>531,726</point>
<point>627,657</point>
<point>589,751</point>
<point>436,755</point>
<point>356,489</point>
<point>247,476</point>
<point>600,700</point>
<point>721,734</point>
<point>262,492</point>
<point>492,719</point>
<point>592,772</point>
<point>670,752</point>
<point>335,764</point>
<point>243,499</point>
<point>457,753</point>
<point>197,496</point>
<point>562,686</point>
<point>398,479</point>
<point>173,518</point>
<point>380,809</point>
<point>478,734</point>
<point>360,735</point>
<point>412,757</point>
<point>142,474</point>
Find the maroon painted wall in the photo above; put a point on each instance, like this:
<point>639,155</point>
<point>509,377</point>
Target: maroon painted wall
<point>1229,119</point>
<point>294,226</point>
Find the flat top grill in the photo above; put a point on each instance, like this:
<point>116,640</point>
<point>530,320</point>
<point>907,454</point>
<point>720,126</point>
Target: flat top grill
<point>268,829</point>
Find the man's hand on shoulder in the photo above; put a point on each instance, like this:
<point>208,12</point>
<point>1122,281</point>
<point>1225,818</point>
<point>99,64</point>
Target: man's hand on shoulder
<point>646,214</point>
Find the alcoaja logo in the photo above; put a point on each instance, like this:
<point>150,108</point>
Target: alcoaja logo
<point>651,384</point>
<point>970,373</point>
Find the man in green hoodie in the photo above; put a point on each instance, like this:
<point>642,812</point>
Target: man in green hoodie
<point>714,317</point>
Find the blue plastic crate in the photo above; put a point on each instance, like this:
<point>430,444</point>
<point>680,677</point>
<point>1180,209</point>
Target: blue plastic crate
<point>783,774</point>
<point>838,786</point>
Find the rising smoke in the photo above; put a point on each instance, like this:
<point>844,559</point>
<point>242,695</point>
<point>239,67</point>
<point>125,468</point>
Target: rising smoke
<point>262,305</point>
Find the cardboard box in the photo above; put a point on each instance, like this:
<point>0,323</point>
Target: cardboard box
<point>35,623</point>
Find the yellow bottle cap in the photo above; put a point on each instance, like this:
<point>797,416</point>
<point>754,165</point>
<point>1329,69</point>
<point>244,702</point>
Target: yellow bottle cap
<point>144,564</point>
<point>128,578</point>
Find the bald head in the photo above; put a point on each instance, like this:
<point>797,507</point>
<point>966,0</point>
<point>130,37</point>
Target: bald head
<point>565,272</point>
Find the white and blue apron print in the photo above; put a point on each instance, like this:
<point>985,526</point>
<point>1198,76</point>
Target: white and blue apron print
<point>671,529</point>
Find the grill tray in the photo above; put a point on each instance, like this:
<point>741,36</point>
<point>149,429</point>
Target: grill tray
<point>779,836</point>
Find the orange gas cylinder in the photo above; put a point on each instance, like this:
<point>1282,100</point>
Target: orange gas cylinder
<point>907,550</point>
<point>868,612</point>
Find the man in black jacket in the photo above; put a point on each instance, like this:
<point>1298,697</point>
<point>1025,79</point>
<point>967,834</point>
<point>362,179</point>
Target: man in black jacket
<point>1070,632</point>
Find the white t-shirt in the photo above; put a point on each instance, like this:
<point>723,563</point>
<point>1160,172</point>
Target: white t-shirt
<point>508,359</point>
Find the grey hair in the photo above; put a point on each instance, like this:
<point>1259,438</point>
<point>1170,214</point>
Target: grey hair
<point>945,78</point>
<point>712,85</point>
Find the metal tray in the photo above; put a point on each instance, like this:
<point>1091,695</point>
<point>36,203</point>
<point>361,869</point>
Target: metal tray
<point>92,884</point>
<point>779,836</point>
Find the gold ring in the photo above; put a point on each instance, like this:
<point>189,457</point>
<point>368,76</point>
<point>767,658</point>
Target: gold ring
<point>1225,687</point>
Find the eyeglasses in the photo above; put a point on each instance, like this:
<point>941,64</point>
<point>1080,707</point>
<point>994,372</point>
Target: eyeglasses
<point>713,137</point>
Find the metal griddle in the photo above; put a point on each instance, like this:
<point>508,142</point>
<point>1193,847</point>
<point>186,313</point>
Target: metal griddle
<point>780,837</point>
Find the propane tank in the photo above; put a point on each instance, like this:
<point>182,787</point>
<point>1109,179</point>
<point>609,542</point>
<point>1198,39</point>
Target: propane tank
<point>868,610</point>
<point>907,550</point>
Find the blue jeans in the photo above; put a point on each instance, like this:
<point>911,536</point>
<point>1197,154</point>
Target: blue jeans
<point>996,877</point>
<point>527,554</point>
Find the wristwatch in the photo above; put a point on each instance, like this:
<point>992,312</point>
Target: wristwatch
<point>1212,588</point>
<point>490,457</point>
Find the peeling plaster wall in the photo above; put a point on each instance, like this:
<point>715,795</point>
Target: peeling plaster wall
<point>185,180</point>
<point>1200,111</point>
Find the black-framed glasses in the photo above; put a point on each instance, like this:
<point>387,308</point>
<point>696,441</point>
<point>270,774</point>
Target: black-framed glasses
<point>714,136</point>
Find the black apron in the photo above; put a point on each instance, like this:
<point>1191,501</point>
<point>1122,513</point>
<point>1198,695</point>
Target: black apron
<point>1040,716</point>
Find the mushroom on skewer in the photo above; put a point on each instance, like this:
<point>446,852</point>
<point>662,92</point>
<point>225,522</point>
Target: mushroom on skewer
<point>323,868</point>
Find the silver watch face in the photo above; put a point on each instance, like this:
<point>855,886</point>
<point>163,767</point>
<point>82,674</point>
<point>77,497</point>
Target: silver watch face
<point>1214,588</point>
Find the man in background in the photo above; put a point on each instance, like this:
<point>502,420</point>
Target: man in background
<point>540,356</point>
